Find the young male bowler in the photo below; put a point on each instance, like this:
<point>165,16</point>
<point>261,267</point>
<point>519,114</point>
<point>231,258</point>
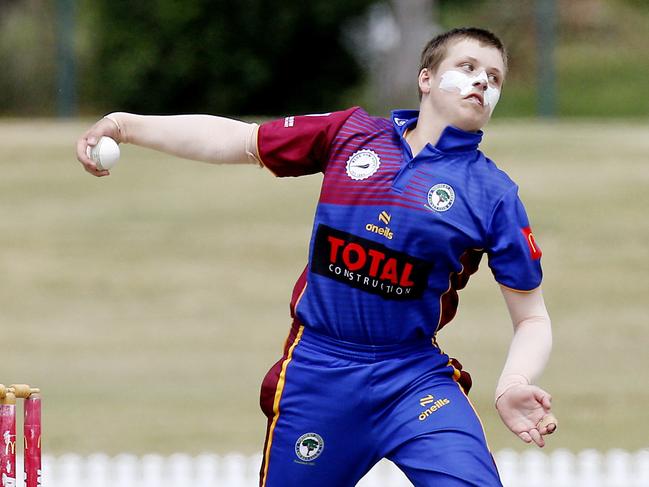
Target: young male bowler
<point>407,209</point>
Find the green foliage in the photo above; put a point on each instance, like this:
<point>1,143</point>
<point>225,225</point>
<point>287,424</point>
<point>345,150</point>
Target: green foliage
<point>253,58</point>
<point>219,56</point>
<point>27,57</point>
<point>643,4</point>
<point>583,72</point>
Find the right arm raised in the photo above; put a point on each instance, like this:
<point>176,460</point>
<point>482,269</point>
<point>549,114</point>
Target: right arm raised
<point>203,138</point>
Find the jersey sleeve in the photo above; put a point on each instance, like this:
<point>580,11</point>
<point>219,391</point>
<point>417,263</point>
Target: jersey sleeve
<point>514,256</point>
<point>299,145</point>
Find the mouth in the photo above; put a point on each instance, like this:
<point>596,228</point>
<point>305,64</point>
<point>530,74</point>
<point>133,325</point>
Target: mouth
<point>475,98</point>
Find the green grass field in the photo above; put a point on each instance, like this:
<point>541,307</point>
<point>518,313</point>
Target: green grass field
<point>148,305</point>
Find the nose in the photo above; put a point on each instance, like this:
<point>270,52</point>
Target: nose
<point>481,80</point>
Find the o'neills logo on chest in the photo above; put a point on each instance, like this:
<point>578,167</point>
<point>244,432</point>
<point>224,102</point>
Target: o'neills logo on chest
<point>367,265</point>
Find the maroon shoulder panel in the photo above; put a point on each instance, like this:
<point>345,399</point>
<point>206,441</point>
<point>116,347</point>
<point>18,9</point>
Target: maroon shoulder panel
<point>299,145</point>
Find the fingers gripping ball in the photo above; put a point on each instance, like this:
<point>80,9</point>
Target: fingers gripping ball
<point>549,423</point>
<point>105,153</point>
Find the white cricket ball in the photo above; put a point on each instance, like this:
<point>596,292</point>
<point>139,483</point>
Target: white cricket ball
<point>105,153</point>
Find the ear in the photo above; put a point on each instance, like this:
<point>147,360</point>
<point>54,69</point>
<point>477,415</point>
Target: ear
<point>425,81</point>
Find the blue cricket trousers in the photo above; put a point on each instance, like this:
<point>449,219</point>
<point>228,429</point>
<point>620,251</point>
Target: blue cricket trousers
<point>336,408</point>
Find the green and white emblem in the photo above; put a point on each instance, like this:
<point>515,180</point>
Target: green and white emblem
<point>441,197</point>
<point>309,446</point>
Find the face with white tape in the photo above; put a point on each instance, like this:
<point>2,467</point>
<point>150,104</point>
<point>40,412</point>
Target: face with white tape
<point>466,86</point>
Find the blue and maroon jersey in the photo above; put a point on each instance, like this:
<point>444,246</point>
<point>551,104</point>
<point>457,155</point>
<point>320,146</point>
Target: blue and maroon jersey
<point>396,236</point>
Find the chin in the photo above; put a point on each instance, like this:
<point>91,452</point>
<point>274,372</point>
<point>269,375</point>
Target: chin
<point>471,124</point>
<point>469,127</point>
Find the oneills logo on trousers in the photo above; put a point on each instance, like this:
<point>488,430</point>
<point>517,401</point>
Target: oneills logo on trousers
<point>436,405</point>
<point>425,401</point>
<point>368,265</point>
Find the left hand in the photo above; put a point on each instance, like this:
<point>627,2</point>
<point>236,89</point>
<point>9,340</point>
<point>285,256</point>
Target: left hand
<point>523,408</point>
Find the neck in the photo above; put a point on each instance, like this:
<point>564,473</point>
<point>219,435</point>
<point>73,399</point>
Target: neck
<point>428,130</point>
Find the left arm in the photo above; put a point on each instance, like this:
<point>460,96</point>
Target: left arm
<point>521,405</point>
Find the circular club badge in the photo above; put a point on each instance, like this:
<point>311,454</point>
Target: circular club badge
<point>441,197</point>
<point>362,164</point>
<point>309,446</point>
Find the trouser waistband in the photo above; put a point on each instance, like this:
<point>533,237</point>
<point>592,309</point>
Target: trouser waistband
<point>363,351</point>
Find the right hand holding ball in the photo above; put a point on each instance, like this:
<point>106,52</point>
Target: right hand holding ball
<point>105,153</point>
<point>97,149</point>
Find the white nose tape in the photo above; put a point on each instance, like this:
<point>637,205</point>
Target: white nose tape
<point>481,77</point>
<point>453,81</point>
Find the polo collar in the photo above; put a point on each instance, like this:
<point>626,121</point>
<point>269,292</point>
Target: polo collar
<point>452,138</point>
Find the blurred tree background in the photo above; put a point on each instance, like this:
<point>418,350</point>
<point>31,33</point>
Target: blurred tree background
<point>255,57</point>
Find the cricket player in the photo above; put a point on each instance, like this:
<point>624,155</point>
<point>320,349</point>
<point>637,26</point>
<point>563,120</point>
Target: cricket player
<point>407,209</point>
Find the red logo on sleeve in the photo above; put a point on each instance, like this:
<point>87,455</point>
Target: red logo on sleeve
<point>535,250</point>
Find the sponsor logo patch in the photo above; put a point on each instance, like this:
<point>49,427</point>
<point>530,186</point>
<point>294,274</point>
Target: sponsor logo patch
<point>384,217</point>
<point>436,405</point>
<point>9,444</point>
<point>424,401</point>
<point>362,164</point>
<point>535,250</point>
<point>309,446</point>
<point>368,265</point>
<point>441,197</point>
